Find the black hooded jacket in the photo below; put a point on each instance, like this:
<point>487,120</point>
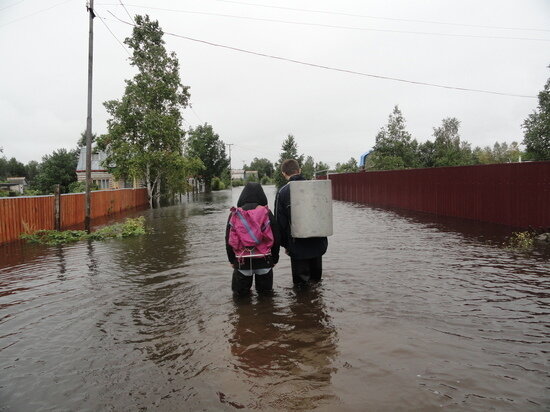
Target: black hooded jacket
<point>251,197</point>
<point>297,248</point>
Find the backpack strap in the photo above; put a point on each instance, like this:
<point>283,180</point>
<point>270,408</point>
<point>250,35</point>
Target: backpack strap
<point>247,226</point>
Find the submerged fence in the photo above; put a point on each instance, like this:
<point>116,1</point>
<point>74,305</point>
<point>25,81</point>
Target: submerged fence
<point>27,214</point>
<point>513,194</point>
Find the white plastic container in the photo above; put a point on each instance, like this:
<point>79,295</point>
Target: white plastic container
<point>311,208</point>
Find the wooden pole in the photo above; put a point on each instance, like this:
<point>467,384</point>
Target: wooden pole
<point>57,207</point>
<point>89,119</point>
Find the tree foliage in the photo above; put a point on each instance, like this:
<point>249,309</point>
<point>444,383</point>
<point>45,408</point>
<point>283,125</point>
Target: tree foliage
<point>537,128</point>
<point>57,168</point>
<point>448,149</point>
<point>207,146</point>
<point>394,148</point>
<point>308,168</point>
<point>347,167</point>
<point>144,138</point>
<point>263,166</point>
<point>289,150</point>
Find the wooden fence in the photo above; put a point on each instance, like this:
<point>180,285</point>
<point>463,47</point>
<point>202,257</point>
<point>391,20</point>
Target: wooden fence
<point>513,194</point>
<point>30,213</point>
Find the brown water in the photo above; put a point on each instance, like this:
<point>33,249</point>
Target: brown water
<point>414,313</point>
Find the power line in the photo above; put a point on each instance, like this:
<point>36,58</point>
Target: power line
<point>380,17</point>
<point>110,31</point>
<point>11,5</point>
<point>320,66</point>
<point>129,15</point>
<point>332,26</point>
<point>35,13</point>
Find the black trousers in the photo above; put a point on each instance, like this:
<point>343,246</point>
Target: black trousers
<point>241,284</point>
<point>306,270</point>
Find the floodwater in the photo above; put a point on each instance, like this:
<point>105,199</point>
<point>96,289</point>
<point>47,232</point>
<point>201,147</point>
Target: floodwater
<point>414,312</point>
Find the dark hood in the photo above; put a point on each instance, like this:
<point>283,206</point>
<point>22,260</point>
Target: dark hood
<point>252,193</point>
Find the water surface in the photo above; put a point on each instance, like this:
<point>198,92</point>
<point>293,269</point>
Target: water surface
<point>414,312</point>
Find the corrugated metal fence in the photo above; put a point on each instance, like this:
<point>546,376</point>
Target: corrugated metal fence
<point>513,194</point>
<point>27,214</point>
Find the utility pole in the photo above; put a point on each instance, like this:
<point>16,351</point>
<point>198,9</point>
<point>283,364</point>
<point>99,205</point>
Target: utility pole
<point>230,180</point>
<point>87,214</point>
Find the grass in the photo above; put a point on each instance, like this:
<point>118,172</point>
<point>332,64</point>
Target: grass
<point>130,227</point>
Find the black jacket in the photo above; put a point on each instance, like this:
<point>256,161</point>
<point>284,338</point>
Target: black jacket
<point>251,197</point>
<point>297,248</point>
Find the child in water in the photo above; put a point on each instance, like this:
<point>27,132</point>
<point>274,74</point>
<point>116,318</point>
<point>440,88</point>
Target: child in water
<point>265,254</point>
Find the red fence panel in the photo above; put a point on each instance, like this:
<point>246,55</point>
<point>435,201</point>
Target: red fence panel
<point>30,213</point>
<point>513,194</point>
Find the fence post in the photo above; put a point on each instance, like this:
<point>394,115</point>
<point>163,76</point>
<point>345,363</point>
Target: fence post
<point>57,208</point>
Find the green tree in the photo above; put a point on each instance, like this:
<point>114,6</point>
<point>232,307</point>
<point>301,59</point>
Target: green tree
<point>537,128</point>
<point>263,166</point>
<point>347,167</point>
<point>308,168</point>
<point>426,154</point>
<point>144,138</point>
<point>448,149</point>
<point>57,168</point>
<point>207,146</point>
<point>394,147</point>
<point>289,150</point>
<point>500,153</point>
<point>321,166</point>
<point>16,168</point>
<point>31,171</point>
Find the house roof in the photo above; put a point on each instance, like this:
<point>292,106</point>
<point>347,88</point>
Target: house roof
<point>17,180</point>
<point>97,160</point>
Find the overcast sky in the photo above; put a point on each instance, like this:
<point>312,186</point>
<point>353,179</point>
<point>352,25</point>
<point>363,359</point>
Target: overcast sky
<point>254,102</point>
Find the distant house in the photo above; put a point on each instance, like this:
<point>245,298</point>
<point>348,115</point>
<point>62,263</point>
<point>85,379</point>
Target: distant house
<point>100,174</point>
<point>243,174</point>
<point>17,184</point>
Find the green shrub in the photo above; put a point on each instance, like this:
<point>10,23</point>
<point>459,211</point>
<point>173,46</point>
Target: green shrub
<point>237,182</point>
<point>217,184</point>
<point>266,181</point>
<point>130,227</point>
<point>521,240</point>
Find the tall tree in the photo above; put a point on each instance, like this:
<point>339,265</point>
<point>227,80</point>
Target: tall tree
<point>144,138</point>
<point>207,146</point>
<point>395,148</point>
<point>57,168</point>
<point>347,167</point>
<point>263,166</point>
<point>448,149</point>
<point>308,168</point>
<point>16,168</point>
<point>537,128</point>
<point>289,150</point>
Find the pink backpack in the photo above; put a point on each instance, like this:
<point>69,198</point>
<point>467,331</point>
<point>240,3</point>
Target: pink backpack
<point>250,233</point>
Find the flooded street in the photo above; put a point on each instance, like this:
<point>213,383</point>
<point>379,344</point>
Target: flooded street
<point>415,312</point>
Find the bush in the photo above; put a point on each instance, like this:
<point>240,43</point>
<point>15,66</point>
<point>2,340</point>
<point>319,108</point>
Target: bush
<point>266,181</point>
<point>80,187</point>
<point>217,184</point>
<point>521,240</point>
<point>130,227</point>
<point>237,182</point>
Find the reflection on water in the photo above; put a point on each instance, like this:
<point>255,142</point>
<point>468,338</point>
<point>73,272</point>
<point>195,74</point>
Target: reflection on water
<point>284,353</point>
<point>415,312</point>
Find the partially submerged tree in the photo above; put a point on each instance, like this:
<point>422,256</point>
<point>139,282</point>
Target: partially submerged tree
<point>207,146</point>
<point>145,137</point>
<point>537,128</point>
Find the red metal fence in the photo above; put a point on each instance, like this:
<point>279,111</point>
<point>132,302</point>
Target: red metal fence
<point>513,194</point>
<point>27,214</point>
